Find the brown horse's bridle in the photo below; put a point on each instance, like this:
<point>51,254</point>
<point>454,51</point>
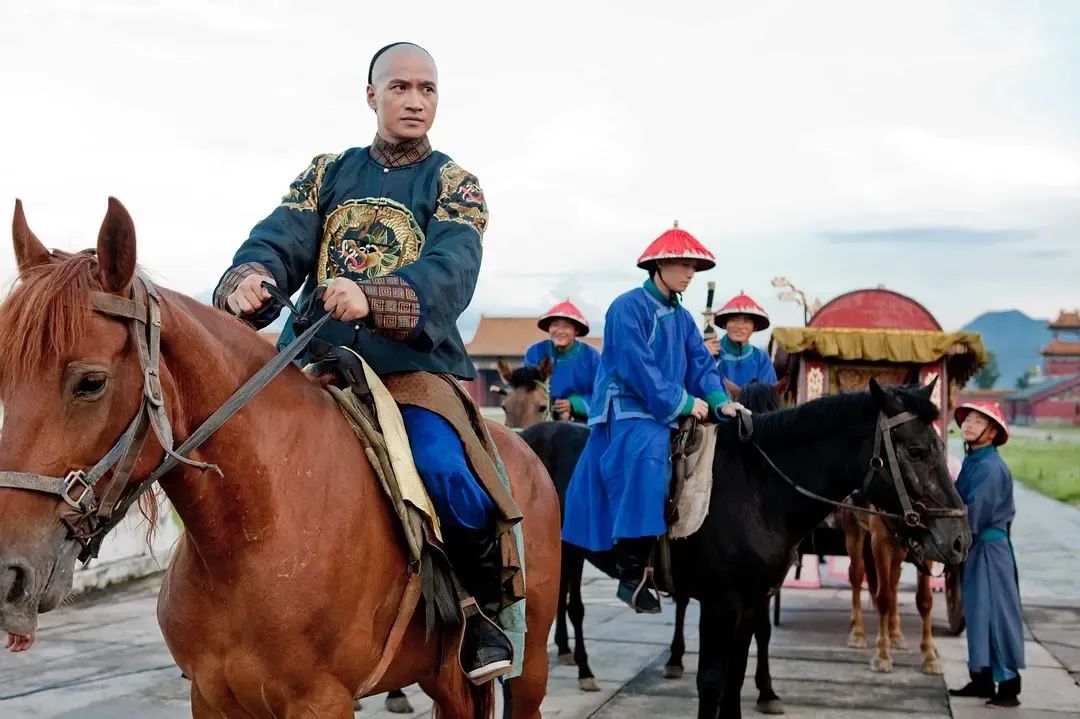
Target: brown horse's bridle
<point>913,512</point>
<point>92,518</point>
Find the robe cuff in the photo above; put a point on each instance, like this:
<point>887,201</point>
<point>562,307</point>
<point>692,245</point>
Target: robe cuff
<point>395,307</point>
<point>578,408</point>
<point>232,279</point>
<point>687,405</point>
<point>716,400</point>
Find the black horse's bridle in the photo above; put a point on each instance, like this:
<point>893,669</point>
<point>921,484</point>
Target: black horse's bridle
<point>913,512</point>
<point>91,518</point>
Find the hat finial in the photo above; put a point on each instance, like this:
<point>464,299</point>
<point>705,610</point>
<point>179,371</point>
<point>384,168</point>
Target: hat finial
<point>676,224</point>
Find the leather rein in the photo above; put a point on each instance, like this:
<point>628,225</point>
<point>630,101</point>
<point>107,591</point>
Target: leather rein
<point>90,518</point>
<point>913,512</point>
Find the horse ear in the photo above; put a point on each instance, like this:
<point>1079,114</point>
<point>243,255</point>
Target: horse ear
<point>885,401</point>
<point>29,252</point>
<point>546,365</point>
<point>781,386</point>
<point>732,389</point>
<point>504,369</point>
<point>927,391</point>
<point>116,248</point>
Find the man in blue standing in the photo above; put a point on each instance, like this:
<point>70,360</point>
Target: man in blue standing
<point>654,369</point>
<point>991,591</point>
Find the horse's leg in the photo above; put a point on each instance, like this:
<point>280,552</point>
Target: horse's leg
<point>674,667</point>
<point>528,690</point>
<point>575,558</point>
<point>896,632</point>
<point>717,639</point>
<point>562,639</point>
<point>884,599</point>
<point>853,540</point>
<point>398,703</point>
<point>924,600</point>
<point>731,703</point>
<point>768,702</point>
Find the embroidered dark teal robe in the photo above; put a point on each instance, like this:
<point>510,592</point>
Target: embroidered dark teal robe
<point>406,224</point>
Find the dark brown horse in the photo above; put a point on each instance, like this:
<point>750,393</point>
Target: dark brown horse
<point>281,594</point>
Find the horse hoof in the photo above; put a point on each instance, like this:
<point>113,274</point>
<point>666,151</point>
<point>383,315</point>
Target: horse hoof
<point>567,660</point>
<point>356,705</point>
<point>933,668</point>
<point>672,671</point>
<point>883,666</point>
<point>899,643</point>
<point>398,705</point>
<point>856,642</point>
<point>588,684</point>
<point>772,706</point>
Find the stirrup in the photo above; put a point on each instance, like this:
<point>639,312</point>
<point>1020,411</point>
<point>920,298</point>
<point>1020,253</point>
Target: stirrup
<point>482,675</point>
<point>648,585</point>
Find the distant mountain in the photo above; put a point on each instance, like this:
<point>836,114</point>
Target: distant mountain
<point>1014,338</point>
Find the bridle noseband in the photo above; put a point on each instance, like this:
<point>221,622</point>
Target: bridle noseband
<point>913,512</point>
<point>92,518</point>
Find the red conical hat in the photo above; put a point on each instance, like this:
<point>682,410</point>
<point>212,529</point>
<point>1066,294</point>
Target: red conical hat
<point>676,244</point>
<point>743,305</point>
<point>992,411</point>
<point>565,311</point>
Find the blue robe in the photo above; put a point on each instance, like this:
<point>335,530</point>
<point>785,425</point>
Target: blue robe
<point>653,365</point>
<point>741,364</point>
<point>573,372</point>
<point>995,621</point>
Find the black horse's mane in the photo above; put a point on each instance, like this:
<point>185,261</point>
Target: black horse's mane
<point>526,376</point>
<point>825,416</point>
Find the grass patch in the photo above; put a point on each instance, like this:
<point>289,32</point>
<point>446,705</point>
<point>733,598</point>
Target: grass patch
<point>1050,468</point>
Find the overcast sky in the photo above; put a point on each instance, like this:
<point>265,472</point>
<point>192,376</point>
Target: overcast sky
<point>930,147</point>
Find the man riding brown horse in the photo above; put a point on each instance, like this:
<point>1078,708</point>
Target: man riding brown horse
<point>392,235</point>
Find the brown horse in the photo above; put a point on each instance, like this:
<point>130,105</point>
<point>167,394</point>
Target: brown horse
<point>527,397</point>
<point>282,592</point>
<point>878,555</point>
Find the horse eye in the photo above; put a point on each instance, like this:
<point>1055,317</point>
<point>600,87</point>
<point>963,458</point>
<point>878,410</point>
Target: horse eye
<point>917,452</point>
<point>91,385</point>
<point>541,408</point>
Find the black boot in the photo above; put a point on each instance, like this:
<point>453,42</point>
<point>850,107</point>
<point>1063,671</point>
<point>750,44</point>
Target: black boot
<point>981,685</point>
<point>636,587</point>
<point>486,651</point>
<point>1008,694</point>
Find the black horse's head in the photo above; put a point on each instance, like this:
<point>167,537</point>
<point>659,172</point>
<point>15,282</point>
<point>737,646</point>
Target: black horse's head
<point>909,476</point>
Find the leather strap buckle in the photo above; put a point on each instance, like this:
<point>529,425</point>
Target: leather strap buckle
<point>152,387</point>
<point>77,478</point>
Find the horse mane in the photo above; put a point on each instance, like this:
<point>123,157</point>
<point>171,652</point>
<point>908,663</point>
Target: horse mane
<point>527,377</point>
<point>822,417</point>
<point>48,310</point>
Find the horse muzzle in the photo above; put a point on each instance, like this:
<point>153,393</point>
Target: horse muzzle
<point>32,585</point>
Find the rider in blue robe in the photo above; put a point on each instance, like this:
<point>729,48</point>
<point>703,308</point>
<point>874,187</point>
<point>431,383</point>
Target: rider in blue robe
<point>654,369</point>
<point>995,621</point>
<point>574,363</point>
<point>739,361</point>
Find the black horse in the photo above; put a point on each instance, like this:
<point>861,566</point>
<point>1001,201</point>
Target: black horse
<point>881,443</point>
<point>559,445</point>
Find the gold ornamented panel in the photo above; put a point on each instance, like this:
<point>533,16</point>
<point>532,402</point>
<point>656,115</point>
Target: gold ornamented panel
<point>461,199</point>
<point>856,378</point>
<point>368,238</point>
<point>303,193</point>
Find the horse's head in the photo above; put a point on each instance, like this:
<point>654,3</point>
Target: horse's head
<point>70,383</point>
<point>910,476</point>
<point>527,400</point>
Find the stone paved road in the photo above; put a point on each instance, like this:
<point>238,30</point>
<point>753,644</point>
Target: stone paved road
<point>105,658</point>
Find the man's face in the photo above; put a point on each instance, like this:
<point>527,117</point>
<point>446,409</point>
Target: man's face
<point>973,428</point>
<point>739,328</point>
<point>676,274</point>
<point>562,333</point>
<point>404,93</point>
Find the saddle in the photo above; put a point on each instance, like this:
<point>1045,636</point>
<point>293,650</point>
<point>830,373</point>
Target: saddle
<point>693,447</point>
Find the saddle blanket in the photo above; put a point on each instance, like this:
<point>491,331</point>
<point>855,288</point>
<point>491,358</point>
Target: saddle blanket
<point>693,491</point>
